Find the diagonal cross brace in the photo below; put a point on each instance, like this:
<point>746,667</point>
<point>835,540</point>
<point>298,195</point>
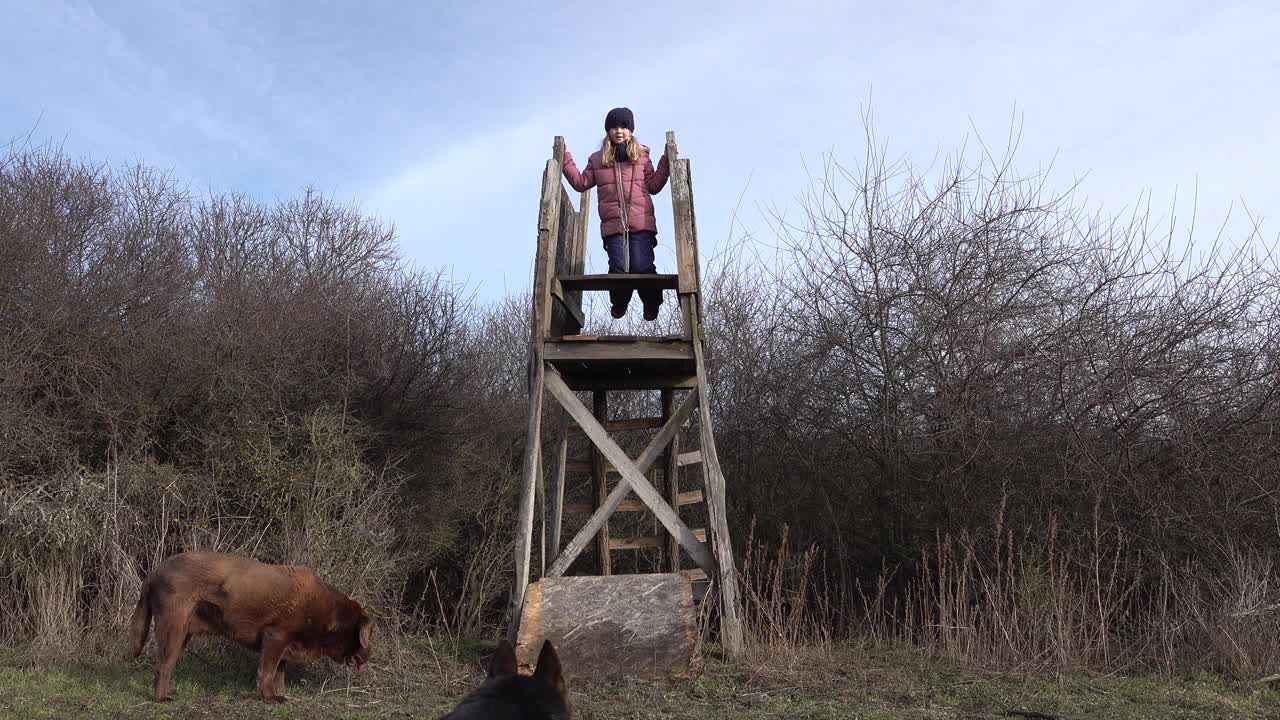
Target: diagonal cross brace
<point>632,478</point>
<point>620,492</point>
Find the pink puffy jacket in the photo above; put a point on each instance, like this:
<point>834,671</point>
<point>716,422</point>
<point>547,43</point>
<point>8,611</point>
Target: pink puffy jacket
<point>626,183</point>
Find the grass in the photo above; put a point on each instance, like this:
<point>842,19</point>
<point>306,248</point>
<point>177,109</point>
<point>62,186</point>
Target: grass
<point>422,681</point>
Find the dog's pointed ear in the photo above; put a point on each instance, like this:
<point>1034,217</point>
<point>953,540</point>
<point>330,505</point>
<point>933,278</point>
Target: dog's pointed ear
<point>549,671</point>
<point>366,630</point>
<point>504,660</point>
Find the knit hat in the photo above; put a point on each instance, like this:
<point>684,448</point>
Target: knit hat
<point>620,117</point>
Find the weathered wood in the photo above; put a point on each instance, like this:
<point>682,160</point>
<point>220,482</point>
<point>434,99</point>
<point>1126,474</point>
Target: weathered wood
<point>571,305</point>
<point>648,541</point>
<point>563,320</point>
<point>688,497</point>
<point>671,481</point>
<point>584,225</point>
<point>686,315</point>
<point>634,352</point>
<point>651,453</point>
<point>682,210</point>
<point>634,543</point>
<point>540,514</point>
<point>693,230</point>
<point>620,338</point>
<point>544,262</point>
<point>725,572</point>
<point>652,423</point>
<point>643,423</point>
<point>625,625</point>
<point>555,488</point>
<point>619,281</point>
<point>692,457</point>
<point>600,485</point>
<point>631,379</point>
<point>548,232</point>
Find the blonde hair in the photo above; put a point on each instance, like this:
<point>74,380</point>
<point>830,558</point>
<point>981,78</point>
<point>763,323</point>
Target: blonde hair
<point>606,150</point>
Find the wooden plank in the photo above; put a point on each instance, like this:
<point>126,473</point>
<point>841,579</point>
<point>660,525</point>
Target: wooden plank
<point>593,380</point>
<point>530,470</point>
<point>643,423</point>
<point>682,211</point>
<point>635,543</point>
<point>694,574</point>
<point>634,471</point>
<point>572,305</point>
<point>688,497</point>
<point>639,351</point>
<point>619,281</point>
<point>584,224</point>
<point>563,321</point>
<point>691,497</point>
<point>650,541</point>
<point>600,485</point>
<point>713,482</point>
<point>540,514</point>
<point>626,625</point>
<point>686,316</point>
<point>621,338</point>
<point>671,483</point>
<point>693,229</point>
<point>693,457</point>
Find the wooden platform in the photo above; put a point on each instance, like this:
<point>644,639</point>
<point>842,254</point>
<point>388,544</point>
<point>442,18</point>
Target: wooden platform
<point>619,281</point>
<point>612,363</point>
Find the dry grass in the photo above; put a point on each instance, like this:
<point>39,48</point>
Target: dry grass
<point>421,678</point>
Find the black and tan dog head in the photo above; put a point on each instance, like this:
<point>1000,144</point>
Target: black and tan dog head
<point>506,693</point>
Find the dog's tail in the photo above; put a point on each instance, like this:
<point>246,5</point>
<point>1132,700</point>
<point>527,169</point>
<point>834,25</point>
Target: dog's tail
<point>140,626</point>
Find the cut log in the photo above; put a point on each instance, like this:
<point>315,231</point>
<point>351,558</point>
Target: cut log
<point>624,625</point>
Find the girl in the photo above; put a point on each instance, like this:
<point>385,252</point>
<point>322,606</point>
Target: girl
<point>624,174</point>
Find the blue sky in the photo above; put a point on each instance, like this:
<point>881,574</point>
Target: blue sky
<point>440,116</point>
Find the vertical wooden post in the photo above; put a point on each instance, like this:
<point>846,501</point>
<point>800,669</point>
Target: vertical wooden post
<point>690,288</point>
<point>671,471</point>
<point>584,226</point>
<point>555,489</point>
<point>540,513</point>
<point>599,481</point>
<point>530,471</point>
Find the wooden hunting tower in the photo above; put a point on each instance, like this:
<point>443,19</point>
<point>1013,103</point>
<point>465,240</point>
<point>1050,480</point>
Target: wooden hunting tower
<point>626,622</point>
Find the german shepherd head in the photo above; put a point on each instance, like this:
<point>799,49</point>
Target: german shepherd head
<point>507,695</point>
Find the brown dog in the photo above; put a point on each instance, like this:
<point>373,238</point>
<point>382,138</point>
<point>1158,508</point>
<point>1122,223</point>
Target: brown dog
<point>285,612</point>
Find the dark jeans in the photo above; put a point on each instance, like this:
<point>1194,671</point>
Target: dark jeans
<point>642,245</point>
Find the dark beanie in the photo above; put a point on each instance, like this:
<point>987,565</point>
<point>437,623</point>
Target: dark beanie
<point>620,117</point>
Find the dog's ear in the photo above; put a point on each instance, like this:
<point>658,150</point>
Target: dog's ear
<point>504,660</point>
<point>549,671</point>
<point>366,630</point>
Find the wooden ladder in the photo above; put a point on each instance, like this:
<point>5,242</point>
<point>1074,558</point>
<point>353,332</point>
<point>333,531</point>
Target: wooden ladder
<point>562,361</point>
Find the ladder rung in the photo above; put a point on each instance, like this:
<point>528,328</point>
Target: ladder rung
<point>635,543</point>
<point>619,281</point>
<point>651,541</point>
<point>650,423</point>
<point>694,574</point>
<point>689,458</point>
<point>689,497</point>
